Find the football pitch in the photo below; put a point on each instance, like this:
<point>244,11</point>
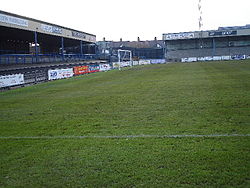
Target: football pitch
<point>170,125</point>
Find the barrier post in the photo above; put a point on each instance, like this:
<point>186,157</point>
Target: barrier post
<point>62,46</point>
<point>81,48</point>
<point>36,51</point>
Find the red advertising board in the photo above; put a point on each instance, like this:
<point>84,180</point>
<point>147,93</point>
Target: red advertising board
<point>81,70</point>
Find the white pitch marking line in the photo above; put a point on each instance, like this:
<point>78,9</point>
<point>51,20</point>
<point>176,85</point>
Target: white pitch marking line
<point>123,136</point>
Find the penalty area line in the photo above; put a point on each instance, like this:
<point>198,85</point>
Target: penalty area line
<point>125,136</point>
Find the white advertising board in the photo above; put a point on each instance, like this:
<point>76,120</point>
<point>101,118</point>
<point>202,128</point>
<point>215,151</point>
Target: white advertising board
<point>60,73</point>
<point>157,61</point>
<point>225,57</point>
<point>209,58</point>
<point>115,65</point>
<point>201,59</point>
<point>175,36</point>
<point>104,67</point>
<point>135,63</point>
<point>192,59</point>
<point>144,62</point>
<point>125,64</point>
<point>217,58</point>
<point>185,59</point>
<point>122,64</point>
<point>13,20</point>
<point>11,80</point>
<point>51,29</point>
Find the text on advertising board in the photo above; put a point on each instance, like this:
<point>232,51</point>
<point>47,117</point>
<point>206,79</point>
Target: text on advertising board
<point>13,20</point>
<point>78,35</point>
<point>81,70</point>
<point>11,80</point>
<point>174,36</point>
<point>51,29</point>
<point>222,33</point>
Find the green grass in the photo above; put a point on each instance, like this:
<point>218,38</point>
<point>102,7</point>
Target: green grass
<point>172,99</point>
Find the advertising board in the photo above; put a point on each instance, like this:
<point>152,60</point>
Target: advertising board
<point>78,34</point>
<point>217,58</point>
<point>81,70</point>
<point>13,20</point>
<point>51,29</point>
<point>125,64</point>
<point>201,59</point>
<point>238,57</point>
<point>175,36</point>
<point>189,59</point>
<point>11,80</point>
<point>223,33</point>
<point>225,57</point>
<point>157,61</point>
<point>135,63</point>
<point>104,67</point>
<point>144,62</point>
<point>60,73</point>
<point>94,68</point>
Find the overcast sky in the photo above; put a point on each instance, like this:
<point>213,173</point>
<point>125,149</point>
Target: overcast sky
<point>128,19</point>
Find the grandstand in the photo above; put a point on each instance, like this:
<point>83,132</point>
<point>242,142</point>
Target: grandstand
<point>226,41</point>
<point>31,49</point>
<point>27,40</point>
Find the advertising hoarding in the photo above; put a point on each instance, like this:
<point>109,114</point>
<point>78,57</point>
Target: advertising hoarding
<point>51,29</point>
<point>11,80</point>
<point>225,57</point>
<point>81,70</point>
<point>157,61</point>
<point>144,62</point>
<point>175,36</point>
<point>94,68</point>
<point>238,57</point>
<point>78,34</point>
<point>135,63</point>
<point>60,73</point>
<point>13,20</point>
<point>104,67</point>
<point>222,33</point>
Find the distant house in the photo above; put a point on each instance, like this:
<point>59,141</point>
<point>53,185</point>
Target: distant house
<point>150,49</point>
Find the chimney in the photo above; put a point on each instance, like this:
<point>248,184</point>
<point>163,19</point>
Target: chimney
<point>103,38</point>
<point>138,39</point>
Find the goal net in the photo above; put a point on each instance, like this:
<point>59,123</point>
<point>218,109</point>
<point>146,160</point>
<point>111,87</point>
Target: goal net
<point>124,58</point>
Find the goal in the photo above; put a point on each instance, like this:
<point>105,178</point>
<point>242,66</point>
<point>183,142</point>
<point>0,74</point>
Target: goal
<point>124,58</point>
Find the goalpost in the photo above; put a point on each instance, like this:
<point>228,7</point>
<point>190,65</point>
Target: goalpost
<point>124,57</point>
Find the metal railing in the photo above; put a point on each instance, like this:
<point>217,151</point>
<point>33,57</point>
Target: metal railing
<point>44,58</point>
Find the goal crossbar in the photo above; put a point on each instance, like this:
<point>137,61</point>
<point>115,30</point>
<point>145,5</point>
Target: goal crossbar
<point>120,58</point>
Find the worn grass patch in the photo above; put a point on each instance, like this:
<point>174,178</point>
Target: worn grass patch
<point>194,98</point>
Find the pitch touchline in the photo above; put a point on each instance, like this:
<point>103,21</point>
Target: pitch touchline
<point>124,136</point>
